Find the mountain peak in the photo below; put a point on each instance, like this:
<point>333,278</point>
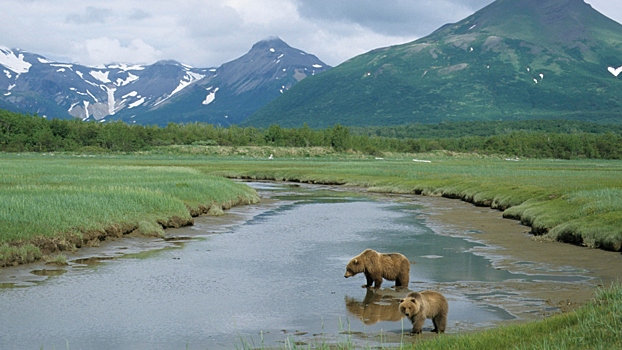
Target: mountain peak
<point>538,21</point>
<point>513,59</point>
<point>272,42</point>
<point>162,92</point>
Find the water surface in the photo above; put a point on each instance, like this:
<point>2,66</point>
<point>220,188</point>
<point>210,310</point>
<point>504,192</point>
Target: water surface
<point>272,278</point>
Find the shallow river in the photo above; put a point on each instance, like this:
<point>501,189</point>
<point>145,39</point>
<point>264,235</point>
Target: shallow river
<point>272,275</point>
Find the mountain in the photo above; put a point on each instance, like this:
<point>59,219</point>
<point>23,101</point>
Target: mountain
<point>512,60</point>
<point>238,88</point>
<point>166,91</point>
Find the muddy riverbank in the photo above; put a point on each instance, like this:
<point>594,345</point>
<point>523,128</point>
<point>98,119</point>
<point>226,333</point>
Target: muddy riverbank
<point>510,246</point>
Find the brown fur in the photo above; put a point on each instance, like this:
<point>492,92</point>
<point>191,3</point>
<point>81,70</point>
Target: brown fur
<point>376,266</point>
<point>427,304</point>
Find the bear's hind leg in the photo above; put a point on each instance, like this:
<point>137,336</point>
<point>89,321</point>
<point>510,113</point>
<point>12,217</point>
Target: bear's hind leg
<point>440,322</point>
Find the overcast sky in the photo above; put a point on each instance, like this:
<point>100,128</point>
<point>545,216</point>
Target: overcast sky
<point>208,33</point>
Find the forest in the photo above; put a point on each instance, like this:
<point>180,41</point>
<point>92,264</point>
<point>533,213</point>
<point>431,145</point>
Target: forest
<point>535,139</point>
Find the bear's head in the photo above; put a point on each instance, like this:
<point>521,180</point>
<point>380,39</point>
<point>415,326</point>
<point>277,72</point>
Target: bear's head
<point>410,306</point>
<point>354,266</point>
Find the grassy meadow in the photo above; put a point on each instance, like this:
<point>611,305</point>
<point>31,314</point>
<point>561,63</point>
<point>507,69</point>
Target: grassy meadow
<point>50,204</point>
<point>56,202</point>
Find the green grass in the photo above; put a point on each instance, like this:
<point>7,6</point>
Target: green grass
<point>575,201</point>
<point>596,325</point>
<point>57,203</point>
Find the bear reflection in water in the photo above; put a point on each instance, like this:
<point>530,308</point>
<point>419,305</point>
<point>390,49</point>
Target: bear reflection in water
<point>378,305</point>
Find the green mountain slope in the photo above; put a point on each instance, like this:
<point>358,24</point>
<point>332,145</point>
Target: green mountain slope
<point>512,60</point>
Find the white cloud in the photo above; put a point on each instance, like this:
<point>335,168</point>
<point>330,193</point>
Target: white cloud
<point>97,51</point>
<point>207,33</point>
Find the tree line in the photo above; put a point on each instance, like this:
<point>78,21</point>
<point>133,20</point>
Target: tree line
<point>567,140</point>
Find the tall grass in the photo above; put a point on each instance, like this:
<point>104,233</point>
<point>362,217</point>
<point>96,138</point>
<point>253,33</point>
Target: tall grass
<point>55,203</point>
<point>575,201</point>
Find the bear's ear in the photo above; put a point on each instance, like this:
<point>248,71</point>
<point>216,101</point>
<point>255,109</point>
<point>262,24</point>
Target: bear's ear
<point>356,261</point>
<point>402,300</point>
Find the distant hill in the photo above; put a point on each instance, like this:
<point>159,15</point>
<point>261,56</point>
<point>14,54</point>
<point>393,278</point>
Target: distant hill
<point>512,60</point>
<point>166,91</point>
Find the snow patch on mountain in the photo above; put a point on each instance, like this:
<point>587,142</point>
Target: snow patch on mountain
<point>125,67</point>
<point>615,71</point>
<point>188,79</point>
<point>130,78</point>
<point>101,76</point>
<point>110,92</point>
<point>139,102</point>
<point>86,110</point>
<point>92,96</point>
<point>210,97</point>
<point>16,63</point>
<point>62,65</point>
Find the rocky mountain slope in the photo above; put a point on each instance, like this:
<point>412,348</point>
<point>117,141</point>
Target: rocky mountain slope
<point>167,91</point>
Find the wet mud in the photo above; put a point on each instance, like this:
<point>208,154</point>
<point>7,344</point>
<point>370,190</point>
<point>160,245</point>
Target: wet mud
<point>510,246</point>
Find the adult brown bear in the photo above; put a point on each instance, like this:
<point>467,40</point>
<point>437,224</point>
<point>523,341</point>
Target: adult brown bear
<point>376,266</point>
<point>427,304</point>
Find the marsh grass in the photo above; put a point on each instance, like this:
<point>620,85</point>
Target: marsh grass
<point>50,203</point>
<point>58,259</point>
<point>596,325</point>
<point>575,201</point>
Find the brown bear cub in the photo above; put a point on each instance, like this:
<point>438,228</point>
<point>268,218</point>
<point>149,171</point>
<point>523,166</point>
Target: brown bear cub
<point>427,304</point>
<point>376,266</point>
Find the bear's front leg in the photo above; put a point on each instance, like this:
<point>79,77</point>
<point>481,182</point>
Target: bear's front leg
<point>418,322</point>
<point>370,280</point>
